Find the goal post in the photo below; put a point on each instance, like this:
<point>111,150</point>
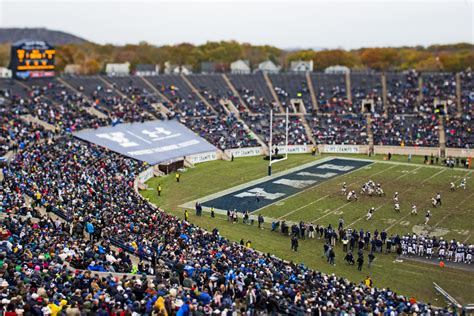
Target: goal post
<point>270,145</point>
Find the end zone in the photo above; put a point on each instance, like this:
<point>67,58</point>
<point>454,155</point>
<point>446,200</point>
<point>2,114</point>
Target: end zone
<point>254,195</point>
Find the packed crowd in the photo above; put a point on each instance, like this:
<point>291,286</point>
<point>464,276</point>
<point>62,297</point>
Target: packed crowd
<point>407,130</point>
<point>71,103</point>
<point>342,129</point>
<point>203,271</point>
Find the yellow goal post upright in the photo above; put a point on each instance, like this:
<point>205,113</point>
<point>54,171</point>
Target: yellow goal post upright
<point>270,145</point>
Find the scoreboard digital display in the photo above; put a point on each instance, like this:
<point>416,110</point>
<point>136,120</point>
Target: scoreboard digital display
<point>32,59</point>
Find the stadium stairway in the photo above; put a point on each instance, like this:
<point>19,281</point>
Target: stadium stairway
<point>442,136</point>
<point>111,86</point>
<point>307,129</point>
<point>120,93</point>
<point>91,110</point>
<point>370,134</point>
<point>314,101</point>
<point>193,88</point>
<point>458,95</point>
<point>348,87</point>
<point>229,107</point>
<point>152,87</point>
<point>235,93</point>
<point>31,119</point>
<point>384,95</point>
<point>272,91</point>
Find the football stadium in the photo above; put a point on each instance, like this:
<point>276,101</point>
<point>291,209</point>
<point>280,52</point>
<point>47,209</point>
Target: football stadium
<point>222,176</point>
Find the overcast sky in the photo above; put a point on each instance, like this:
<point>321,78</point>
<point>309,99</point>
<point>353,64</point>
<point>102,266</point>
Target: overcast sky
<point>327,24</point>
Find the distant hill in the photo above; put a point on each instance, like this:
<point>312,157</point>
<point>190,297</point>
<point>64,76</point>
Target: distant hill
<point>11,35</point>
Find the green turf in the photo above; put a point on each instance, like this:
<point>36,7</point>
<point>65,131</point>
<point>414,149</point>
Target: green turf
<point>323,204</point>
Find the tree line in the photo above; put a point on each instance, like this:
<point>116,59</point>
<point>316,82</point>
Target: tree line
<point>93,57</point>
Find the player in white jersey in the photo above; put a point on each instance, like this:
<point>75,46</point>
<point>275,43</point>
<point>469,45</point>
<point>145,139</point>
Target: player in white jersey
<point>414,210</point>
<point>395,197</point>
<point>429,248</point>
<point>438,199</point>
<point>462,185</point>
<point>469,252</point>
<point>421,248</point>
<point>427,217</point>
<point>459,256</point>
<point>351,196</point>
<point>370,213</point>
<point>434,202</point>
<point>452,187</point>
<point>396,207</point>
<point>379,190</point>
<point>451,249</point>
<point>344,188</point>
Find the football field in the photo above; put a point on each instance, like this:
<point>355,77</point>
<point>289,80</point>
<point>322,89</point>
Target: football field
<point>297,198</point>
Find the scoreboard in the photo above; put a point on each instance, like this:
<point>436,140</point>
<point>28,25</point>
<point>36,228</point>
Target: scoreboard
<point>32,59</point>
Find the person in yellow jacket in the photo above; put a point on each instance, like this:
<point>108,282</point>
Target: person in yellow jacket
<point>55,309</point>
<point>186,215</point>
<point>178,176</point>
<point>160,306</point>
<point>368,282</point>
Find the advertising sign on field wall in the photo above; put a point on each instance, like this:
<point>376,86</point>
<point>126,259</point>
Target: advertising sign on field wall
<point>341,149</point>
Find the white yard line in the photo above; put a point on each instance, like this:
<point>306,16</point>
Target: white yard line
<point>450,213</point>
<point>304,206</point>
<point>256,181</point>
<point>380,206</point>
<point>341,207</point>
<point>409,213</point>
<point>467,238</point>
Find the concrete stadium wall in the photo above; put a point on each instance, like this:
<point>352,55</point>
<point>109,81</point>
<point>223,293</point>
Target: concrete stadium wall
<point>398,150</point>
<point>459,152</point>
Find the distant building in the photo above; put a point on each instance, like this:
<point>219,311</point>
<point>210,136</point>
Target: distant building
<point>72,69</point>
<point>301,66</point>
<point>240,67</point>
<point>186,69</point>
<point>169,68</point>
<point>147,70</point>
<point>337,69</point>
<point>208,67</point>
<point>117,69</point>
<point>5,72</point>
<point>177,70</point>
<point>268,67</point>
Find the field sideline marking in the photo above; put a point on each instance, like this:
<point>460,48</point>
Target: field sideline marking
<point>380,206</point>
<point>409,213</point>
<point>337,209</point>
<point>337,177</point>
<point>256,181</point>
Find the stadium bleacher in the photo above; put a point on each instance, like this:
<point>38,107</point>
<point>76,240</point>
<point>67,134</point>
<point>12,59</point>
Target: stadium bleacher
<point>89,186</point>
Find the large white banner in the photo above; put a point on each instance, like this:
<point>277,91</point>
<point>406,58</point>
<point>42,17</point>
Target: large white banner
<point>153,141</point>
<point>341,149</point>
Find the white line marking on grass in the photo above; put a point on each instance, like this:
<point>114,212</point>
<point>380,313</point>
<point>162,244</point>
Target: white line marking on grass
<point>450,213</point>
<point>380,206</point>
<point>340,207</point>
<point>302,207</point>
<point>467,238</point>
<point>309,189</point>
<point>408,271</point>
<point>409,213</point>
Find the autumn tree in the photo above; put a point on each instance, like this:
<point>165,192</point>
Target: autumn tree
<point>380,58</point>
